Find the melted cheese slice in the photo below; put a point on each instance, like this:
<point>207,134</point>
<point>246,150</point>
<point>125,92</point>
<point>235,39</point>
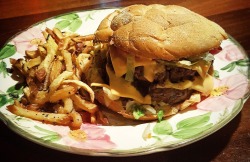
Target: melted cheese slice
<point>122,88</point>
<point>119,61</point>
<point>203,85</point>
<point>201,66</point>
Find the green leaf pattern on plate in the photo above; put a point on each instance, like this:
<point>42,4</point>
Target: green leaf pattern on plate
<point>231,66</point>
<point>5,52</point>
<point>72,21</point>
<point>75,24</point>
<point>11,94</point>
<point>163,128</point>
<point>186,128</point>
<point>49,136</point>
<point>3,68</point>
<point>62,24</point>
<point>191,132</point>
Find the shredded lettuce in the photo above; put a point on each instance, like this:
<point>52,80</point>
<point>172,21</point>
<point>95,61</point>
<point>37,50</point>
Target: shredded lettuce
<point>137,113</point>
<point>160,115</point>
<point>137,109</point>
<point>130,68</point>
<point>208,57</point>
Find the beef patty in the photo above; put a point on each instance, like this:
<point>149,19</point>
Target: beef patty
<point>168,95</point>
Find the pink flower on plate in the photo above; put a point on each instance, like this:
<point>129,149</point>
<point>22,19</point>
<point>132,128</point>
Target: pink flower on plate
<point>225,93</point>
<point>230,52</point>
<point>89,136</point>
<point>23,40</point>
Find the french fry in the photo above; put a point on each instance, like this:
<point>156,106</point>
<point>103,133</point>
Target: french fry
<point>84,38</point>
<point>42,51</point>
<point>57,82</point>
<point>68,60</point>
<point>68,105</point>
<point>83,62</point>
<point>32,54</point>
<point>83,104</point>
<point>93,118</point>
<point>84,86</point>
<point>51,48</point>
<point>36,41</point>
<point>58,33</point>
<point>34,62</point>
<point>54,77</point>
<point>88,49</point>
<point>40,98</point>
<point>53,35</point>
<point>57,67</point>
<point>62,94</point>
<point>76,119</point>
<point>62,119</point>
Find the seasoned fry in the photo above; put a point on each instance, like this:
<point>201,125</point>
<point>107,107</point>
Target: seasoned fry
<point>57,67</point>
<point>55,91</point>
<point>84,38</point>
<point>62,94</point>
<point>68,60</point>
<point>83,62</point>
<point>65,43</point>
<point>84,86</point>
<point>93,118</point>
<point>51,48</point>
<point>32,54</point>
<point>76,119</point>
<point>58,33</point>
<point>83,104</point>
<point>34,62</point>
<point>40,98</point>
<point>42,51</point>
<point>68,105</point>
<point>62,119</point>
<point>57,82</point>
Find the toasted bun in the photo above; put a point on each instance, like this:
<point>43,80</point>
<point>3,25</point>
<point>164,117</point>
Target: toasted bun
<point>160,32</point>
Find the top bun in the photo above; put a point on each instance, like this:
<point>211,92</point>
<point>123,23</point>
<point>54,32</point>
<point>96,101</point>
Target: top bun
<point>160,32</point>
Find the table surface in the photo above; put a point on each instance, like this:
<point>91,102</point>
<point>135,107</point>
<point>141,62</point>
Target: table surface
<point>231,143</point>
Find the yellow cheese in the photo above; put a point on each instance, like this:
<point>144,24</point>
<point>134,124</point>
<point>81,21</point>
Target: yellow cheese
<point>204,86</point>
<point>149,71</point>
<point>122,88</point>
<point>119,61</point>
<point>201,67</point>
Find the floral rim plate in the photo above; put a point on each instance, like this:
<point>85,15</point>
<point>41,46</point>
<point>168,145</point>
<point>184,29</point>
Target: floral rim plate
<point>231,85</point>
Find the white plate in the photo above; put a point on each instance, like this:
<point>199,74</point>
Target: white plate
<point>232,70</point>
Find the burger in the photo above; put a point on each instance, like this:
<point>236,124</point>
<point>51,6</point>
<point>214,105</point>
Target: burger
<point>157,60</point>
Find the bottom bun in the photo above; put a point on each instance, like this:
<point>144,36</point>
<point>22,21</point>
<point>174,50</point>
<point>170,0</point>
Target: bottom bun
<point>116,105</point>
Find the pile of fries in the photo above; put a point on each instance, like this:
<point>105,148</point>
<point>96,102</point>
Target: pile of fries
<point>56,92</point>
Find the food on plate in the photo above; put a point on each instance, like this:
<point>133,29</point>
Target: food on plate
<point>55,90</point>
<point>143,62</point>
<point>158,60</point>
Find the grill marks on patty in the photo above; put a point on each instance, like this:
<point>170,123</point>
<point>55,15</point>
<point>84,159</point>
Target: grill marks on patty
<point>168,95</point>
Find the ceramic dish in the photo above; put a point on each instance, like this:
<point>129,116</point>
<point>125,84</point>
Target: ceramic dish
<point>231,71</point>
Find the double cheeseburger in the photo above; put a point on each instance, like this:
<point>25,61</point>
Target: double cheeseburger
<point>158,60</point>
